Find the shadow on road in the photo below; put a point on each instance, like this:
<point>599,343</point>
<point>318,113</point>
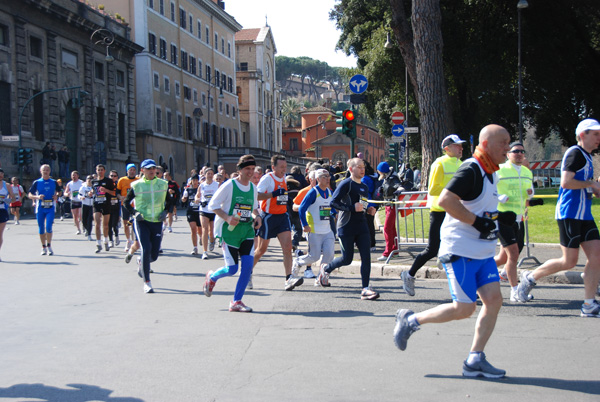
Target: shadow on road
<point>584,387</point>
<point>76,393</point>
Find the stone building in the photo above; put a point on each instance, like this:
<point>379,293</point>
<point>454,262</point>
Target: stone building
<point>49,45</point>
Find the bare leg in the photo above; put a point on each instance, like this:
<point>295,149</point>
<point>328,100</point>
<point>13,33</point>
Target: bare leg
<point>591,278</point>
<point>486,320</point>
<point>567,261</point>
<point>285,240</point>
<point>263,244</point>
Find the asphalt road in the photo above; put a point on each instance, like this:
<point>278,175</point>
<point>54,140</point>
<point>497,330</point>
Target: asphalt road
<point>76,326</point>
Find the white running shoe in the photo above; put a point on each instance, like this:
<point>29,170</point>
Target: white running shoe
<point>309,274</point>
<point>195,251</point>
<point>106,247</point>
<point>50,252</point>
<point>44,251</point>
<point>90,238</point>
<point>117,241</point>
<point>204,256</point>
<point>111,244</point>
<point>503,275</point>
<point>78,232</point>
<point>148,287</point>
<point>211,246</point>
<point>169,229</point>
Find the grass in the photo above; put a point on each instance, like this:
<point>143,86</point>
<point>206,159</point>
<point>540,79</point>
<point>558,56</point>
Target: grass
<point>542,225</point>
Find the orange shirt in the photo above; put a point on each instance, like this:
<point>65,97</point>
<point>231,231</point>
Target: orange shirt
<point>301,195</point>
<point>277,205</point>
<point>124,184</point>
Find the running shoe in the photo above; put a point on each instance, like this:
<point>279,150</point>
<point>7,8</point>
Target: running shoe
<point>482,368</point>
<point>369,294</point>
<point>62,218</point>
<point>323,278</point>
<point>239,307</point>
<point>403,329</point>
<point>293,282</point>
<point>117,241</point>
<point>373,249</point>
<point>515,299</point>
<point>128,258</point>
<point>503,275</point>
<point>111,244</point>
<point>309,274</point>
<point>209,284</point>
<point>50,252</point>
<point>408,283</point>
<point>148,287</point>
<point>195,251</point>
<point>382,258</point>
<point>44,251</point>
<point>169,229</point>
<point>78,232</point>
<point>90,238</point>
<point>106,247</point>
<point>98,248</point>
<point>17,223</point>
<point>211,246</point>
<point>590,310</point>
<point>250,285</point>
<point>525,287</point>
<point>128,245</point>
<point>139,267</point>
<point>204,256</point>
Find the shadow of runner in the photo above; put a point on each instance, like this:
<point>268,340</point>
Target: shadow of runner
<point>76,393</point>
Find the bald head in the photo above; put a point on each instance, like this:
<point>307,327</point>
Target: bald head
<point>494,140</point>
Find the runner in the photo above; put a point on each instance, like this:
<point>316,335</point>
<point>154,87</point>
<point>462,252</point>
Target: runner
<point>171,202</point>
<point>236,205</point>
<point>104,190</point>
<point>86,195</point>
<point>72,192</point>
<point>115,214</point>
<point>207,218</point>
<point>350,199</point>
<point>45,191</point>
<point>576,224</point>
<point>123,186</point>
<point>5,193</point>
<point>315,213</point>
<point>469,237</point>
<point>15,206</point>
<point>272,192</point>
<point>193,211</point>
<point>148,194</point>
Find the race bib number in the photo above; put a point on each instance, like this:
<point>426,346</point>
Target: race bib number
<point>75,194</point>
<point>244,211</point>
<point>2,199</point>
<point>100,199</point>
<point>364,202</point>
<point>325,212</point>
<point>47,203</point>
<point>282,199</point>
<point>114,201</point>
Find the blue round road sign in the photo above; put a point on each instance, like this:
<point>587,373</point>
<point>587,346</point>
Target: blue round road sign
<point>358,84</point>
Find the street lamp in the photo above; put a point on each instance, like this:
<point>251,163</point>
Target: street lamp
<point>106,38</point>
<point>520,5</point>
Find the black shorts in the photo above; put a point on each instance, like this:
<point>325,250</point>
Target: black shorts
<point>573,232</point>
<point>193,216</point>
<point>273,224</point>
<point>125,214</point>
<point>512,234</point>
<point>3,215</point>
<point>170,208</point>
<point>209,215</point>
<point>103,208</point>
<point>76,205</point>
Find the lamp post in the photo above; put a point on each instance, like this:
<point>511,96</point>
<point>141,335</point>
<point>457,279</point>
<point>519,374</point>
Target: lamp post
<point>520,5</point>
<point>106,38</point>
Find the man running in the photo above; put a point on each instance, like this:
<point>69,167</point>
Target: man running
<point>236,205</point>
<point>350,199</point>
<point>115,214</point>
<point>123,186</point>
<point>469,236</point>
<point>45,192</point>
<point>104,190</point>
<point>72,192</point>
<point>576,224</point>
<point>148,194</point>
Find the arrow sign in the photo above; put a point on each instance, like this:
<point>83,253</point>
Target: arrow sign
<point>397,117</point>
<point>359,84</point>
<point>398,130</point>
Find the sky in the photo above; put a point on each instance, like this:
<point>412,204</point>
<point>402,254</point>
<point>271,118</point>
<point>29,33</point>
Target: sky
<point>299,28</point>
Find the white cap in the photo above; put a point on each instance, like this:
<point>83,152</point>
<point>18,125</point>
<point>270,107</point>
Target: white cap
<point>587,124</point>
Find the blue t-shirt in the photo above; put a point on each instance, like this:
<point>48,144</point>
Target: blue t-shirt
<point>576,204</point>
<point>47,188</point>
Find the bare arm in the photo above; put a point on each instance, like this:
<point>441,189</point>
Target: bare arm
<point>568,182</point>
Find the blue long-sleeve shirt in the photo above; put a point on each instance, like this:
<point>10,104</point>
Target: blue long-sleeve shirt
<point>348,193</point>
<point>308,200</point>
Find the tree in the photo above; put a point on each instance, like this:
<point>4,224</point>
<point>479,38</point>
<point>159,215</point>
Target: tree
<point>290,110</point>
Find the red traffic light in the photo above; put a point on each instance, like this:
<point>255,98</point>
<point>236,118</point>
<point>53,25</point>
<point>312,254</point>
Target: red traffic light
<point>348,115</point>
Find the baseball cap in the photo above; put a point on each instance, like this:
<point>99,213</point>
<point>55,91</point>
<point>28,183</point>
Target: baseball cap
<point>383,167</point>
<point>148,163</point>
<point>320,173</point>
<point>129,166</point>
<point>452,139</point>
<point>587,124</point>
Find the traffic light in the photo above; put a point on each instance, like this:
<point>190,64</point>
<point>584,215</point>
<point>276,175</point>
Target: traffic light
<point>28,156</point>
<point>21,156</point>
<point>347,122</point>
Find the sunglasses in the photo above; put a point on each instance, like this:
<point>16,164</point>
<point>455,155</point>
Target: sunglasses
<point>517,151</point>
<point>114,175</point>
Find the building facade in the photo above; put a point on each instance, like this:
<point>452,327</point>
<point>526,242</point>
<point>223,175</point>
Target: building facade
<point>66,78</point>
<point>187,106</point>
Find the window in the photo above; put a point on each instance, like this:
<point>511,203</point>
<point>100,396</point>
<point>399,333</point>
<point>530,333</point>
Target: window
<point>224,81</point>
<point>182,18</point>
<point>100,123</point>
<point>195,92</point>
<point>227,109</point>
<point>203,100</point>
<point>233,111</point>
<point>193,65</point>
<point>167,85</point>
<point>169,122</point>
<point>121,78</point>
<point>243,66</point>
<point>216,42</point>
<point>187,93</point>
<point>172,11</point>
<point>293,144</point>
<point>199,68</point>
<point>191,24</point>
<point>173,54</point>
<point>208,74</point>
<point>158,119</point>
<point>177,89</point>
<point>223,45</point>
<point>150,3</point>
<point>156,81</point>
<point>217,77</point>
<point>221,107</point>
<point>35,47</point>
<point>184,60</point>
<point>189,127</point>
<point>230,84</point>
<point>207,36</point>
<point>4,34</point>
<point>69,59</point>
<point>199,30</point>
<point>99,71</point>
<point>5,117</point>
<point>179,125</point>
<point>229,49</point>
<point>163,49</point>
<point>161,7</point>
<point>152,43</point>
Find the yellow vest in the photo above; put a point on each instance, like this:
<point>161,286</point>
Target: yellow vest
<point>442,170</point>
<point>515,186</point>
